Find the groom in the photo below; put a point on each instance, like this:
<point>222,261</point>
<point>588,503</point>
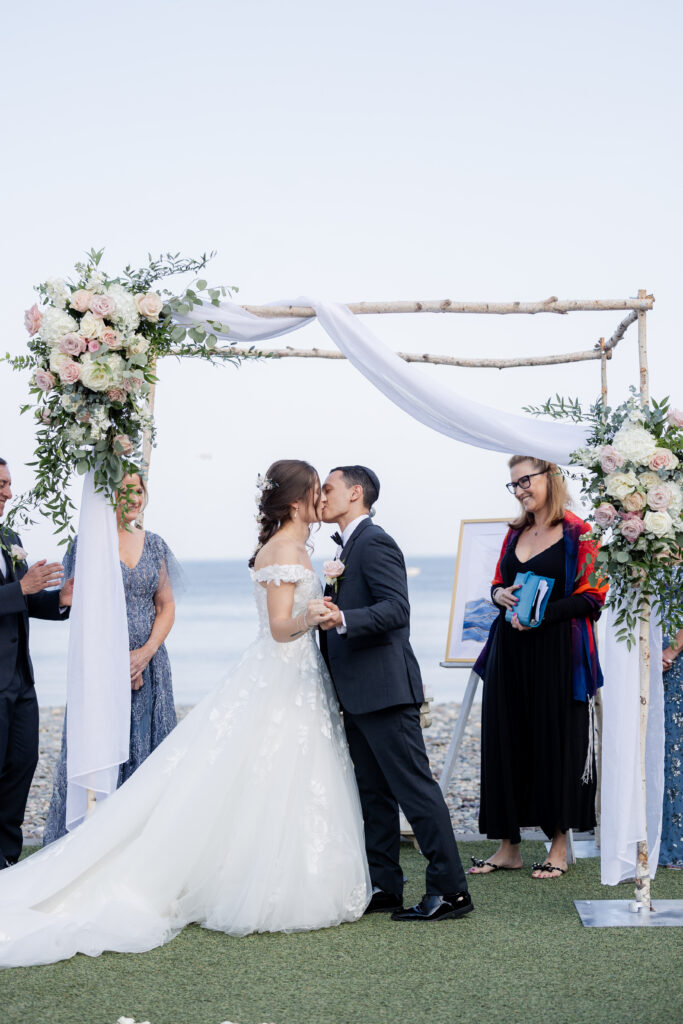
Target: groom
<point>366,644</point>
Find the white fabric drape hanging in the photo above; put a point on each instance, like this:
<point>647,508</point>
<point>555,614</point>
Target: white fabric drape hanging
<point>98,663</point>
<point>425,398</point>
<point>621,793</point>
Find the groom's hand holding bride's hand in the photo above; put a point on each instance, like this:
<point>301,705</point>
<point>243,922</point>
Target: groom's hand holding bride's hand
<point>333,618</point>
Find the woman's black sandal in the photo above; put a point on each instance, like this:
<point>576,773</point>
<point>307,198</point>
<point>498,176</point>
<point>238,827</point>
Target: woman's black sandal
<point>546,867</point>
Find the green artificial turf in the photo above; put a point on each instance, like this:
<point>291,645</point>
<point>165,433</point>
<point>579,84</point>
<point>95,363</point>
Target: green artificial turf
<point>522,956</point>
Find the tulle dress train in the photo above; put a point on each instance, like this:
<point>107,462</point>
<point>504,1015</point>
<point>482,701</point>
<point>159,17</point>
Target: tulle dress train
<point>245,819</point>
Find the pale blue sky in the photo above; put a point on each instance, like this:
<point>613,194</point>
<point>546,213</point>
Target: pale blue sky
<point>354,151</point>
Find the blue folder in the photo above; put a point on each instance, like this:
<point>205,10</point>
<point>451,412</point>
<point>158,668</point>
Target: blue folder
<point>532,598</point>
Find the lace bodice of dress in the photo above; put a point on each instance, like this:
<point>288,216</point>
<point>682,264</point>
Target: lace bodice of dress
<point>307,588</point>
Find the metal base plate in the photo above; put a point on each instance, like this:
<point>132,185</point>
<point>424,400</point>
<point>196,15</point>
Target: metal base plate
<point>619,914</point>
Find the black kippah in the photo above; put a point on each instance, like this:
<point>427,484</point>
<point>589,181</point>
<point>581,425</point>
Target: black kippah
<point>374,479</point>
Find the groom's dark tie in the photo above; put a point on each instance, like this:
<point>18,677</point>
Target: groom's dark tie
<point>336,537</point>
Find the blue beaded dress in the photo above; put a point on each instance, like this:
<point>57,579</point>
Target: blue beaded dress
<point>153,713</point>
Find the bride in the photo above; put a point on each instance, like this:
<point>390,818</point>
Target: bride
<point>245,819</point>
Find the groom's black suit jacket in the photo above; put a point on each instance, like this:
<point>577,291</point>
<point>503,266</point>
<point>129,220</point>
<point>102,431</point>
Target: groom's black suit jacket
<point>15,609</point>
<point>372,665</point>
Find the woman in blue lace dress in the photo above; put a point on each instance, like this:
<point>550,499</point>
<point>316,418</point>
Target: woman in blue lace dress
<point>149,571</point>
<point>671,848</point>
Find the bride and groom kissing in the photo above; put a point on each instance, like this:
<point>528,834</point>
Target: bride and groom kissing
<point>302,808</point>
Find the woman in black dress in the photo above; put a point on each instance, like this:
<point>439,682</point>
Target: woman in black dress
<point>539,683</point>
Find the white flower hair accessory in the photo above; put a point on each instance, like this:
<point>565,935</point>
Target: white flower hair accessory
<point>263,484</point>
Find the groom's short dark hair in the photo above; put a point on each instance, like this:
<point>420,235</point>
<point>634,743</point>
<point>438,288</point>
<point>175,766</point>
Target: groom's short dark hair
<point>2,462</point>
<point>363,476</point>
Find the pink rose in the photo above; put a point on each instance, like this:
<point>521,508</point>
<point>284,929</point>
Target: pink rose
<point>69,372</point>
<point>333,569</point>
<point>634,502</point>
<point>80,300</point>
<point>659,497</point>
<point>116,395</point>
<point>604,514</point>
<point>111,338</point>
<point>72,345</point>
<point>663,458</point>
<point>125,443</point>
<point>631,528</point>
<point>44,380</point>
<point>93,345</point>
<point>610,459</point>
<point>33,319</point>
<point>46,416</point>
<point>675,417</point>
<point>131,384</point>
<point>102,305</point>
<point>149,305</point>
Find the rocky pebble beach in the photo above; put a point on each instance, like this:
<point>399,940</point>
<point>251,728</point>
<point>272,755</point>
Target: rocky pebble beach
<point>462,797</point>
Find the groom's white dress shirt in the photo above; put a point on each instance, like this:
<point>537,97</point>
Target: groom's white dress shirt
<point>346,536</point>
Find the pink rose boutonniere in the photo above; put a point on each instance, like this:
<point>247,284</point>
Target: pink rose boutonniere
<point>333,569</point>
<point>17,554</point>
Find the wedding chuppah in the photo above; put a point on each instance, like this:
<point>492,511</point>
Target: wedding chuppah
<point>93,368</point>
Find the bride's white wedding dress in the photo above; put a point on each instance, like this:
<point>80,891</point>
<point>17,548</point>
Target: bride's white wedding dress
<point>246,818</point>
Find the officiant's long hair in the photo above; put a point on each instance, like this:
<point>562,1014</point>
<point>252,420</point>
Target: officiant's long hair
<point>558,493</point>
<point>286,482</point>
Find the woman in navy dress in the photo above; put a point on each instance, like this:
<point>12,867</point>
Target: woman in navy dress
<point>149,570</point>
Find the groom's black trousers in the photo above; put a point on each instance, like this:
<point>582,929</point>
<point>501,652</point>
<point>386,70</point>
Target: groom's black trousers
<point>392,769</point>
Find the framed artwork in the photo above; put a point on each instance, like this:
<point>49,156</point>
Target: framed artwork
<point>472,610</point>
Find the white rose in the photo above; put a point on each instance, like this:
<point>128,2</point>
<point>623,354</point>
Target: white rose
<point>618,485</point>
<point>58,360</point>
<point>649,479</point>
<point>18,554</point>
<point>635,443</point>
<point>91,326</point>
<point>138,345</point>
<point>95,374</point>
<point>658,523</point>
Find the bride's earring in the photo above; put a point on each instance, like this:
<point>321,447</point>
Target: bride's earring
<point>294,513</point>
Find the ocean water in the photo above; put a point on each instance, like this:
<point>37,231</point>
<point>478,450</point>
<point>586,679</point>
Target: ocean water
<point>216,620</point>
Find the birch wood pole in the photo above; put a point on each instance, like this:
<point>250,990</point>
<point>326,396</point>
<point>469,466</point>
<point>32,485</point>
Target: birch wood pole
<point>642,893</point>
<point>644,302</point>
<point>147,437</point>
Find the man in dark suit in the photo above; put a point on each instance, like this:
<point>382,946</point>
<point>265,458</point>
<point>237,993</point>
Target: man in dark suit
<point>366,644</point>
<point>22,593</point>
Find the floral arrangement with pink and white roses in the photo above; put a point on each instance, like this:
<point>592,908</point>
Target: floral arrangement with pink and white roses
<point>92,349</point>
<point>633,487</point>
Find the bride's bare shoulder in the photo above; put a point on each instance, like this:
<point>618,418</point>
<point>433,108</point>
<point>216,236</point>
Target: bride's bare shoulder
<point>279,552</point>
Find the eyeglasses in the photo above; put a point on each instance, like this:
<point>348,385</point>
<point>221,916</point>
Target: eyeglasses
<point>523,481</point>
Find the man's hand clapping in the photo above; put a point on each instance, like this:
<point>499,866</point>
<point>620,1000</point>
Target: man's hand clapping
<point>41,576</point>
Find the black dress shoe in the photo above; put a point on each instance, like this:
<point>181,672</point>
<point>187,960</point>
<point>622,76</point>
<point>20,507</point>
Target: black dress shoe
<point>384,902</point>
<point>7,862</point>
<point>433,907</point>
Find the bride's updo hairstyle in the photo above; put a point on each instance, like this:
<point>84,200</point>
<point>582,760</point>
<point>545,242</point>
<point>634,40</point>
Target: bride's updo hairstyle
<point>286,482</point>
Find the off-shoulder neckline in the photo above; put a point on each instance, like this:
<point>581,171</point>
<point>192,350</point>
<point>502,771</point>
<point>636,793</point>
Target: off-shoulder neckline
<point>285,565</point>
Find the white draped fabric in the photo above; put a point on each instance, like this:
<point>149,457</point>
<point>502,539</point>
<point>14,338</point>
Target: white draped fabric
<point>98,674</point>
<point>425,398</point>
<point>623,822</point>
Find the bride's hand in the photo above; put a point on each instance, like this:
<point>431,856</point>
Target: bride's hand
<point>316,612</point>
<point>333,615</point>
